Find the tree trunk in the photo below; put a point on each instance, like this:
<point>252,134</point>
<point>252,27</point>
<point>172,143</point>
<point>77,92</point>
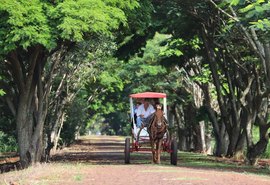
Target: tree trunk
<point>30,132</point>
<point>214,71</point>
<point>60,121</point>
<point>202,129</point>
<point>30,123</point>
<point>180,132</point>
<point>24,131</point>
<point>192,127</point>
<point>239,151</point>
<point>218,128</point>
<point>254,151</point>
<point>27,123</point>
<point>197,138</point>
<point>32,105</point>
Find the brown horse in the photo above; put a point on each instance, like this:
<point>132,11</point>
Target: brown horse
<point>157,129</point>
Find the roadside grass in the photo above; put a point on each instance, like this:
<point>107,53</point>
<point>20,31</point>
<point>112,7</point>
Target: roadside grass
<point>46,174</point>
<point>78,177</point>
<point>201,161</point>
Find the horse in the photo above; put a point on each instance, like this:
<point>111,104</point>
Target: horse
<point>157,129</point>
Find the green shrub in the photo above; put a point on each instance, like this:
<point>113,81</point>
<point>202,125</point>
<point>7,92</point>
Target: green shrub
<point>7,143</point>
<point>75,122</point>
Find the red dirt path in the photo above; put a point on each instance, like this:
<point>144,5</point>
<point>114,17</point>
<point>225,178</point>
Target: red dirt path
<point>100,161</point>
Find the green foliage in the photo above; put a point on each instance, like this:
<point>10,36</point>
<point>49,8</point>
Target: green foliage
<point>205,75</point>
<point>132,37</point>
<point>115,123</point>
<point>154,47</point>
<point>76,25</point>
<point>34,22</point>
<point>255,8</point>
<point>255,15</point>
<point>2,92</point>
<point>94,124</point>
<point>105,85</point>
<point>263,24</point>
<point>7,143</point>
<point>173,48</point>
<point>144,71</point>
<point>75,121</point>
<point>24,23</point>
<point>111,81</point>
<point>234,2</point>
<point>103,88</point>
<point>82,16</point>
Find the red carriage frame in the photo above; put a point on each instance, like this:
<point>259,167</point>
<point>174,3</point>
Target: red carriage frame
<point>140,137</point>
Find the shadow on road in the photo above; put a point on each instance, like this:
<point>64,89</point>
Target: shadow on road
<point>109,150</point>
<point>99,150</point>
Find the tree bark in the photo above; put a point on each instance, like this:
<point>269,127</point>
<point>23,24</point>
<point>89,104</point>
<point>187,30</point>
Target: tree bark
<point>255,150</point>
<point>58,131</point>
<point>31,109</point>
<point>180,131</point>
<point>202,129</point>
<point>225,120</point>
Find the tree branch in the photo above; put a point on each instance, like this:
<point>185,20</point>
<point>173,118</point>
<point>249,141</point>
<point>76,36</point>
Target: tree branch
<point>224,12</point>
<point>266,47</point>
<point>246,91</point>
<point>11,106</point>
<point>235,18</point>
<point>16,70</point>
<point>56,59</point>
<point>250,40</point>
<point>32,68</point>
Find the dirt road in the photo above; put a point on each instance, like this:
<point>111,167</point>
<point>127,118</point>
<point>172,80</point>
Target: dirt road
<point>99,160</point>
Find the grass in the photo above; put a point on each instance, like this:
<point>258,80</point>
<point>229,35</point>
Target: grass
<point>78,177</point>
<point>210,162</point>
<point>44,174</point>
<point>201,161</point>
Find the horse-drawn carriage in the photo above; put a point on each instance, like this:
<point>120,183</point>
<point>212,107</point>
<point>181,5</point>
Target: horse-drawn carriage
<point>156,133</point>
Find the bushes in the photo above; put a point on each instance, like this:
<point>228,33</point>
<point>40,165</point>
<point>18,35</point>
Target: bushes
<point>75,122</point>
<point>8,143</point>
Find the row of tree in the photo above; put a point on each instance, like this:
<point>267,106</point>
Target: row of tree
<point>45,46</point>
<point>70,65</point>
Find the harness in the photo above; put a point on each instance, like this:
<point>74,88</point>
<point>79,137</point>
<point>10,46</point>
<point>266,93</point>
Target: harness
<point>155,131</point>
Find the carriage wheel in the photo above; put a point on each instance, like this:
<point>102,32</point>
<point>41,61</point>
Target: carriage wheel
<point>174,152</point>
<point>127,150</point>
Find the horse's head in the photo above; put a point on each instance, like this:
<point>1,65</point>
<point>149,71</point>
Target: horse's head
<point>160,122</point>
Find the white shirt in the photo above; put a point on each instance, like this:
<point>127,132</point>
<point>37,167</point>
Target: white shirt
<point>141,110</point>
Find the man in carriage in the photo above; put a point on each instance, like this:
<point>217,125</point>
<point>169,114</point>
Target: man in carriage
<point>144,113</point>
